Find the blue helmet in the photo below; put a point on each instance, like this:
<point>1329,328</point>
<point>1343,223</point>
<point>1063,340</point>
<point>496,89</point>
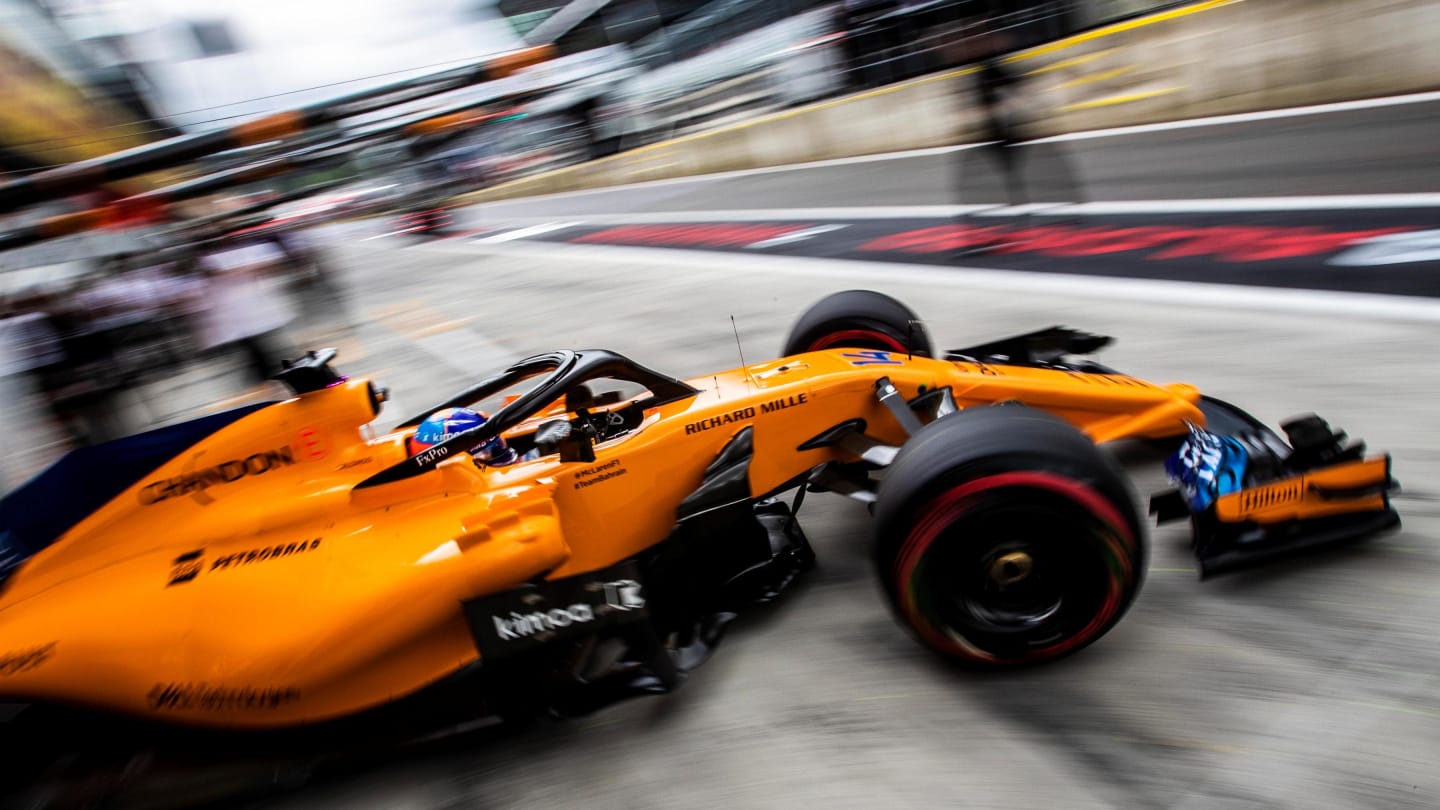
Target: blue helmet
<point>450,422</point>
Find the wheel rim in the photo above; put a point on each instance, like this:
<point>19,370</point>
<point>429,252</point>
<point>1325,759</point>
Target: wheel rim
<point>1012,588</point>
<point>1015,568</point>
<point>857,338</point>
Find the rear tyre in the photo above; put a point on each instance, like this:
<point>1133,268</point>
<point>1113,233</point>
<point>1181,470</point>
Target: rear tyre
<point>858,319</point>
<point>1004,537</point>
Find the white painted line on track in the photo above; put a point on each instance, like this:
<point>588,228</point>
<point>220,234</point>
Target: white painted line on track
<point>1368,306</point>
<point>794,236</point>
<point>1395,248</point>
<point>1330,202</point>
<point>1245,118</point>
<point>1137,129</point>
<point>765,214</point>
<point>1335,202</point>
<point>522,233</point>
<point>1027,208</point>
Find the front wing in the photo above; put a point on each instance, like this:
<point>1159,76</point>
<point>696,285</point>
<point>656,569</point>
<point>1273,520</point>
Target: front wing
<point>1252,496</point>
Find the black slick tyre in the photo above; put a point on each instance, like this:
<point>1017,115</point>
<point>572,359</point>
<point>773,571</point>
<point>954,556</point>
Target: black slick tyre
<point>1004,537</point>
<point>858,319</point>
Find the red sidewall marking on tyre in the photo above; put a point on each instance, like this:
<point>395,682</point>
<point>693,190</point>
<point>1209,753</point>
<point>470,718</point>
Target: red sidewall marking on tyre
<point>944,510</point>
<point>839,339</point>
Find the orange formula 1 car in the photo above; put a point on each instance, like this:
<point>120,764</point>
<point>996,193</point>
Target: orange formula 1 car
<point>280,566</point>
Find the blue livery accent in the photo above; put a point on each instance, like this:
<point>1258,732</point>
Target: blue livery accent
<point>446,424</point>
<point>1207,466</point>
<point>871,358</point>
<point>451,422</point>
<point>68,491</point>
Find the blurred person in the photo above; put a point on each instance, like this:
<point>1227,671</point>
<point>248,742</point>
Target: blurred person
<point>72,366</point>
<point>242,308</point>
<point>308,263</point>
<point>141,309</point>
<point>186,285</point>
<point>300,254</point>
<point>588,117</point>
<point>26,343</point>
<point>428,213</point>
<point>312,285</point>
<point>998,88</point>
<point>29,340</point>
<point>1029,173</point>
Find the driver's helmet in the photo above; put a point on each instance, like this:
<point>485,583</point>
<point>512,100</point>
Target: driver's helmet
<point>450,422</point>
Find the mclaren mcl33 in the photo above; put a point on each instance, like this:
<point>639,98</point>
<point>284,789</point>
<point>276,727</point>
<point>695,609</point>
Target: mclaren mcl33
<point>281,566</point>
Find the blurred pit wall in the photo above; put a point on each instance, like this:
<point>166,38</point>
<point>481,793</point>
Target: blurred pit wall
<point>1205,58</point>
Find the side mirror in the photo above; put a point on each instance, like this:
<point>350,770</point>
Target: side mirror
<point>310,373</point>
<point>572,444</point>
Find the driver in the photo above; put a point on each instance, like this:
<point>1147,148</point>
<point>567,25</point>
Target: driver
<point>450,422</point>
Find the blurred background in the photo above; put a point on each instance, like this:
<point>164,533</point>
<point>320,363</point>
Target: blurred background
<point>126,320</point>
<point>1245,191</point>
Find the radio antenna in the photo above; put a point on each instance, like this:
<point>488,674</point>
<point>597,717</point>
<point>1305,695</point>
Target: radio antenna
<point>736,329</point>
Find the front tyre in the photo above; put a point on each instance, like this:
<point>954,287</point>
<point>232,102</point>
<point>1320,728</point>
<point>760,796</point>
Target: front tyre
<point>1004,537</point>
